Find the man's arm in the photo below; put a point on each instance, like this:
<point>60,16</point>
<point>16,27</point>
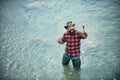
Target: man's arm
<point>61,40</point>
<point>84,33</point>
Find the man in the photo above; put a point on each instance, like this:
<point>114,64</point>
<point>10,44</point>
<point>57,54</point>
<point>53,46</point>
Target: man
<point>72,37</point>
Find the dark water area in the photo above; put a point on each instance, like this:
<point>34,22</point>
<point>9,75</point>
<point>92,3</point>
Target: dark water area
<point>28,32</point>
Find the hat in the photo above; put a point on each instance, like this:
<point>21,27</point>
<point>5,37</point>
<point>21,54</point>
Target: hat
<point>68,23</point>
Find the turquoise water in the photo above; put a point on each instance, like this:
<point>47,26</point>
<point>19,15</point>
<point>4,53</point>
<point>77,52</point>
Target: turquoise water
<point>28,32</point>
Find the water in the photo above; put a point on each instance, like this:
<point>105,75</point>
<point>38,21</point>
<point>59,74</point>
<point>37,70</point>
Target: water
<point>28,32</point>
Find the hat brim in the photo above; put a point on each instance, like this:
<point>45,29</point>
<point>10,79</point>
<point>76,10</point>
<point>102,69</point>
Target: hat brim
<point>67,26</point>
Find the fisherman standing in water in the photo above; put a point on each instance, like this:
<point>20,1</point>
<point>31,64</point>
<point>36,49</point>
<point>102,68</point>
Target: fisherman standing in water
<point>72,37</point>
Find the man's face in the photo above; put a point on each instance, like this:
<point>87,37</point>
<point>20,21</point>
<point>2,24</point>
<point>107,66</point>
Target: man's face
<point>70,27</point>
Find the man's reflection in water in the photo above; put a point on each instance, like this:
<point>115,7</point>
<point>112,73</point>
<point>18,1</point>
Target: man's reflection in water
<point>70,73</point>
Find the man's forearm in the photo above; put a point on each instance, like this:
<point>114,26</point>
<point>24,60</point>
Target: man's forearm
<point>85,35</point>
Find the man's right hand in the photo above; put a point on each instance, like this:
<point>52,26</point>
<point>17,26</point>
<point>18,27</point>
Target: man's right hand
<point>59,40</point>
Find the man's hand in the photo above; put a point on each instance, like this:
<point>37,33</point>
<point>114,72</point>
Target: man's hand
<point>83,29</point>
<point>84,32</point>
<point>59,40</point>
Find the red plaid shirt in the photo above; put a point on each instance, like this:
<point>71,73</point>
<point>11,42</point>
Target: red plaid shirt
<point>73,43</point>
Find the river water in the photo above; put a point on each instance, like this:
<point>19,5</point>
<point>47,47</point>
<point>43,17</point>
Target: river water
<point>28,32</point>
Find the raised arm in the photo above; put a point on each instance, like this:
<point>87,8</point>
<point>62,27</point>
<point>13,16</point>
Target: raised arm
<point>84,33</point>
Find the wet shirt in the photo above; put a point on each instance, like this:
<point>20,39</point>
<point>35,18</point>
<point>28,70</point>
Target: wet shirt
<point>73,43</point>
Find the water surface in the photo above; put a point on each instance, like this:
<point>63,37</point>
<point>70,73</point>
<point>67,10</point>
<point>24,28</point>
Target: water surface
<point>28,32</point>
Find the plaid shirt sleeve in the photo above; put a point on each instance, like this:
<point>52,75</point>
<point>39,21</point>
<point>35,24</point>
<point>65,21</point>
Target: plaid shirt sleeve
<point>82,35</point>
<point>64,38</point>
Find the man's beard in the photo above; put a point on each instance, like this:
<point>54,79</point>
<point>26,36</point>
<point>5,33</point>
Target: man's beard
<point>72,32</point>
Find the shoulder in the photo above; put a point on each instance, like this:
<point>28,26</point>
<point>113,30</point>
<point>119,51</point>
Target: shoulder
<point>78,32</point>
<point>66,33</point>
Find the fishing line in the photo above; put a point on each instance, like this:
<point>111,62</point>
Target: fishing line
<point>60,17</point>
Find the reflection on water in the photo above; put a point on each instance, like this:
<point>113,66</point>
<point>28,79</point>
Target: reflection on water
<point>70,73</point>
